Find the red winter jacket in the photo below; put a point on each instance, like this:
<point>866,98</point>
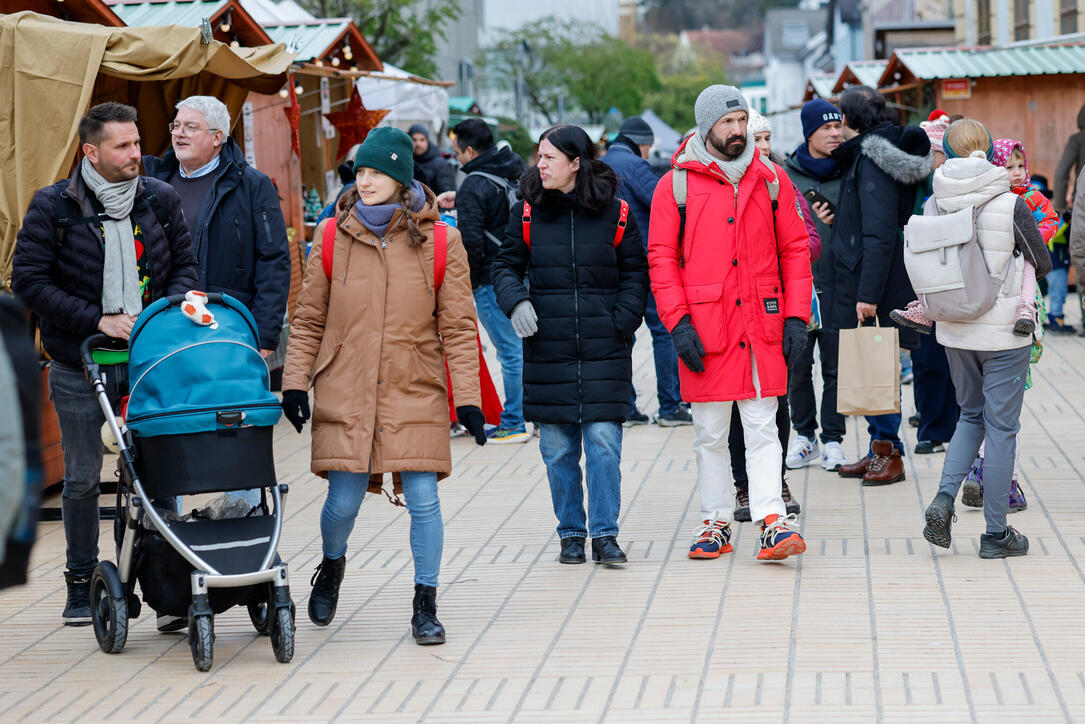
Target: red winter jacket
<point>740,280</point>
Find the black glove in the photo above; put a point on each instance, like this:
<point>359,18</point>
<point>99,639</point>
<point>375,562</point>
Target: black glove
<point>472,418</point>
<point>296,407</point>
<point>795,339</point>
<point>688,345</point>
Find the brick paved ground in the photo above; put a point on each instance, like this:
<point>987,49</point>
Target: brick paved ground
<point>871,625</point>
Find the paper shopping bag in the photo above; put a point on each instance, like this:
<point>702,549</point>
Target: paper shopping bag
<point>868,371</point>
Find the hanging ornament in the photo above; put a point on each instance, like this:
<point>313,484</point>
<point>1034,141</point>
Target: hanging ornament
<point>354,123</point>
<point>293,115</point>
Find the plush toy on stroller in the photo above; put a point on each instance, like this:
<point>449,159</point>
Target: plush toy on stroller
<point>200,419</point>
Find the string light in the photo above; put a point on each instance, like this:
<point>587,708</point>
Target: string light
<point>234,43</point>
<point>347,52</point>
<point>225,27</point>
<point>335,62</point>
<point>284,92</point>
<point>298,89</point>
<point>318,63</point>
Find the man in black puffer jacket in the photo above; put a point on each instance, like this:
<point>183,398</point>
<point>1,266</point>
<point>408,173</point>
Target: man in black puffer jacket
<point>87,261</point>
<point>482,211</point>
<point>430,167</point>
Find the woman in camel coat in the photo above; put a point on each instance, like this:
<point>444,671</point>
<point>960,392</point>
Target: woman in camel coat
<point>371,331</point>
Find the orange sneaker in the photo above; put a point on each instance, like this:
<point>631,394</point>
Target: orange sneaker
<point>778,541</point>
<point>713,538</point>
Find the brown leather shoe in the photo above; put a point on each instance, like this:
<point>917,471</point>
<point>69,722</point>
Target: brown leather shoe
<point>856,469</point>
<point>886,466</point>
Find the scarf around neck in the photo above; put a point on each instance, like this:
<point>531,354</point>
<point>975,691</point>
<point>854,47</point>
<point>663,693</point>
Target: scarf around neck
<point>822,169</point>
<point>120,274</point>
<point>376,218</point>
<point>734,169</point>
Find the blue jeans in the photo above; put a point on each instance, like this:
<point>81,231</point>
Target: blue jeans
<point>81,421</point>
<point>345,494</point>
<point>1057,288</point>
<point>666,362</point>
<point>560,446</point>
<point>510,353</point>
<point>885,427</point>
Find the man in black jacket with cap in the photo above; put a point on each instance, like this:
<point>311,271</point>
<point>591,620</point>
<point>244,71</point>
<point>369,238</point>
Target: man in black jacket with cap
<point>429,166</point>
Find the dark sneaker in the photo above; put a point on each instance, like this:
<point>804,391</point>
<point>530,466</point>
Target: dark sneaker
<point>742,505</point>
<point>636,417</point>
<point>778,540</point>
<point>77,607</point>
<point>711,540</point>
<point>939,518</point>
<point>929,447</point>
<point>790,504</point>
<point>677,418</point>
<point>1017,498</point>
<point>914,420</point>
<point>972,490</point>
<point>1012,544</point>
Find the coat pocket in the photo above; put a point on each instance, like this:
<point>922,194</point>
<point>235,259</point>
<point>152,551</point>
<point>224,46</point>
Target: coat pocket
<point>324,357</point>
<point>770,303</point>
<point>707,314</point>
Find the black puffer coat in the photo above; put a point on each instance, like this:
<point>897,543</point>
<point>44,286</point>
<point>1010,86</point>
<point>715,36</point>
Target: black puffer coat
<point>590,297</point>
<point>63,284</point>
<point>432,169</point>
<point>886,168</point>
<point>483,206</point>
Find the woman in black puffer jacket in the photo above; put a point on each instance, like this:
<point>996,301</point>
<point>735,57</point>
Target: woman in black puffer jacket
<point>587,289</point>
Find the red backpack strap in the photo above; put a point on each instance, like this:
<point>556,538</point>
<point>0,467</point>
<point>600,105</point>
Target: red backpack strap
<point>440,252</point>
<point>623,219</point>
<point>327,246</point>
<point>526,219</point>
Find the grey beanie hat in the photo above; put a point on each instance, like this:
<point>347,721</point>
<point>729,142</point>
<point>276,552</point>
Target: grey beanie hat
<point>715,102</point>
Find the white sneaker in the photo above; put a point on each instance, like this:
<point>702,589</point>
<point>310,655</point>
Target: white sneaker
<point>833,457</point>
<point>801,452</point>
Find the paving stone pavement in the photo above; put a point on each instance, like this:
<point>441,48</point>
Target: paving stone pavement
<point>871,625</point>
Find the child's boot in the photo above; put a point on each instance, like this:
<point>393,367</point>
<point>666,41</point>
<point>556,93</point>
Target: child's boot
<point>913,316</point>
<point>1026,319</point>
<point>1017,498</point>
<point>972,490</point>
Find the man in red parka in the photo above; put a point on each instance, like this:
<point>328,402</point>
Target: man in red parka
<point>730,268</point>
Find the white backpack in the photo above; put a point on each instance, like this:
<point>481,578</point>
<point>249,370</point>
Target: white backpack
<point>945,264</point>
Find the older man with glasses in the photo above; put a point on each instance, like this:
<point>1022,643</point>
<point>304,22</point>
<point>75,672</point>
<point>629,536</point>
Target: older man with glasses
<point>232,211</point>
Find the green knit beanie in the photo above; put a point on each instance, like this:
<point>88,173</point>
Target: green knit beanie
<point>390,151</point>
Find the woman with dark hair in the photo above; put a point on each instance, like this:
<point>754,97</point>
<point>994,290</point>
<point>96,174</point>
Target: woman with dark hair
<point>588,284</point>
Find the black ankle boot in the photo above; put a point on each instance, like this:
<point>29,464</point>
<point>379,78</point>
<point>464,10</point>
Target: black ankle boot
<point>77,608</point>
<point>572,550</point>
<point>425,627</point>
<point>606,550</point>
<point>325,596</point>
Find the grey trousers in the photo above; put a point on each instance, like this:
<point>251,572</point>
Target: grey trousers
<point>990,390</point>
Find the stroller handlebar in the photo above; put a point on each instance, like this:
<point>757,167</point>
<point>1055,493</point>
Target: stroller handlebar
<point>84,349</point>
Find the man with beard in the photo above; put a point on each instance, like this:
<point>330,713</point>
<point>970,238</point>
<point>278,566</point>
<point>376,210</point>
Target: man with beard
<point>729,260</point>
<point>93,250</point>
<point>884,166</point>
<point>430,167</point>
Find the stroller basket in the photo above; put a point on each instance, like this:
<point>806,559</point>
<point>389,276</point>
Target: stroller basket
<point>204,462</point>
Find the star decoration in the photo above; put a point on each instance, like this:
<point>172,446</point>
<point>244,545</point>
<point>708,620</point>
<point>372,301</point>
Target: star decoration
<point>354,123</point>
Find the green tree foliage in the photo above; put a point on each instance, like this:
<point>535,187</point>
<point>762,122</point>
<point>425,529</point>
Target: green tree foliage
<point>517,136</point>
<point>559,58</point>
<point>674,101</point>
<point>402,32</point>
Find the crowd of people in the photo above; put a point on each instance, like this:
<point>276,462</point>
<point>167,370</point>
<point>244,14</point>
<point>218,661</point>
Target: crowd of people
<point>741,264</point>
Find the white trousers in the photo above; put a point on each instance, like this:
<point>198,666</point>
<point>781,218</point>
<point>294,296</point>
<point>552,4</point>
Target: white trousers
<point>764,456</point>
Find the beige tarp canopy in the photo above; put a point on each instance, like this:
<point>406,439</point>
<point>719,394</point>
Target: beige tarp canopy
<point>52,71</point>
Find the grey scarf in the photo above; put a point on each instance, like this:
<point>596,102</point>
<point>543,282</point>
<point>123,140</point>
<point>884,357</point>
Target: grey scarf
<point>120,273</point>
<point>733,170</point>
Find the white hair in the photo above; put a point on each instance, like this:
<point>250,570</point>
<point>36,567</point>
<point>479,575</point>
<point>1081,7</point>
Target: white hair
<point>213,110</point>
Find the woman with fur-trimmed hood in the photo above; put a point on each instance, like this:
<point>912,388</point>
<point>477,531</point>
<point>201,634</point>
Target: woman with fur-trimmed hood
<point>865,275</point>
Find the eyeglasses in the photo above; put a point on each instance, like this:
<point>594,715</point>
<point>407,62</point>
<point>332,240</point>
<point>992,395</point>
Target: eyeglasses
<point>187,129</point>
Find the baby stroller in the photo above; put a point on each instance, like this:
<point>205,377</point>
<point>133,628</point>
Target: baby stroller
<point>200,419</point>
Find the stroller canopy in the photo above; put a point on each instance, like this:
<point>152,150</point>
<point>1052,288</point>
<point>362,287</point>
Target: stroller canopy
<point>186,378</point>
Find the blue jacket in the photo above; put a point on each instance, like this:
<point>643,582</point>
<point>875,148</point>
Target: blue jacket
<point>636,182</point>
<point>240,238</point>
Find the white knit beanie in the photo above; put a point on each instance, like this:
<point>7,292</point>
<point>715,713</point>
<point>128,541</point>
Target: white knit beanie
<point>758,123</point>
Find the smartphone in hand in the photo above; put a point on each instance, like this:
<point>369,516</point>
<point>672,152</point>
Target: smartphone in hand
<point>814,196</point>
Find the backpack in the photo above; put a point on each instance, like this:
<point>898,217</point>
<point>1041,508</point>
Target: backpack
<point>64,219</point>
<point>512,195</point>
<point>945,264</point>
<point>440,250</point>
<point>619,232</point>
<point>679,187</point>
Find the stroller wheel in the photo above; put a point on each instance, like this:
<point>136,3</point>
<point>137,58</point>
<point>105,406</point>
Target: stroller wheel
<point>201,639</point>
<point>258,614</point>
<point>109,612</point>
<point>282,634</point>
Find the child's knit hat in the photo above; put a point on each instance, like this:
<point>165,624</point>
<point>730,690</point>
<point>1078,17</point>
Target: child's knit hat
<point>1004,148</point>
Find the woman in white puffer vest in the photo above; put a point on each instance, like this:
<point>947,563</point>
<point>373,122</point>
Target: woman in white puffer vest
<point>987,361</point>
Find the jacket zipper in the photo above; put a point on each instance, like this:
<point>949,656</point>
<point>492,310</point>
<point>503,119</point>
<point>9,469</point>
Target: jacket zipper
<point>194,410</point>
<point>267,229</point>
<point>576,316</point>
